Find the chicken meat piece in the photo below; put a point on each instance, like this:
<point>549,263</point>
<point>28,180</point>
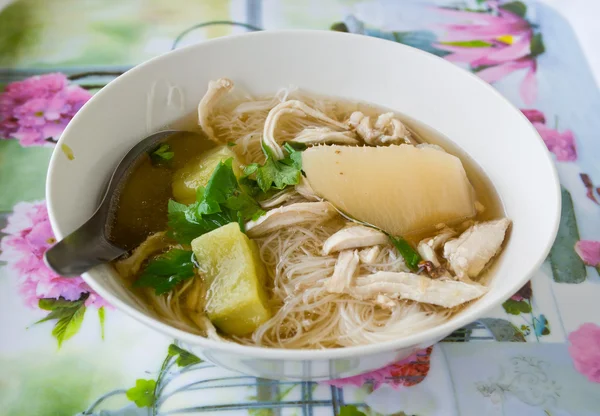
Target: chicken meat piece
<point>304,189</point>
<point>410,286</point>
<point>343,273</point>
<point>385,302</point>
<point>325,135</point>
<point>216,90</point>
<point>354,236</point>
<point>369,255</point>
<point>154,244</point>
<point>296,108</point>
<point>298,213</point>
<point>387,129</point>
<point>427,247</point>
<point>277,199</point>
<point>471,252</point>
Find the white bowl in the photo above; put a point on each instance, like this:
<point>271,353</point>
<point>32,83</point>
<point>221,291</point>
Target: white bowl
<point>427,88</point>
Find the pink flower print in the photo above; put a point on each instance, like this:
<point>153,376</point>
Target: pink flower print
<point>585,351</point>
<point>407,372</point>
<point>562,144</point>
<point>494,43</point>
<point>535,116</point>
<point>525,292</point>
<point>28,237</point>
<point>589,251</point>
<point>589,187</point>
<point>39,108</point>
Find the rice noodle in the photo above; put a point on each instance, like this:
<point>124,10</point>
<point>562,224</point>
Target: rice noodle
<point>306,314</point>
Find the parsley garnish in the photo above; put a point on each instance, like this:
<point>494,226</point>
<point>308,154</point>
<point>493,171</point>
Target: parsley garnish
<point>221,202</point>
<point>162,154</point>
<point>167,270</point>
<point>275,173</point>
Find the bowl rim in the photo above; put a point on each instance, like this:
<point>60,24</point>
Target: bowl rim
<point>420,339</point>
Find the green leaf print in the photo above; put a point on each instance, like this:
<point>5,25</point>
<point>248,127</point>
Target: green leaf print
<point>537,46</point>
<point>350,410</point>
<point>101,318</point>
<point>29,166</point>
<point>469,44</point>
<point>69,325</point>
<point>515,307</point>
<point>502,330</point>
<point>20,29</point>
<point>68,313</point>
<point>567,266</point>
<point>142,394</point>
<point>184,358</point>
<point>515,7</point>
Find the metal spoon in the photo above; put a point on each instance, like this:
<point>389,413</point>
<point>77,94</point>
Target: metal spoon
<point>89,245</point>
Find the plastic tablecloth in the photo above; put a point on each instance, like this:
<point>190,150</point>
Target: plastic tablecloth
<point>64,351</point>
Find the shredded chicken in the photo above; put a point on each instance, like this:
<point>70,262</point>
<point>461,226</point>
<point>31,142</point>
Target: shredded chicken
<point>470,253</point>
<point>319,135</point>
<point>216,90</point>
<point>299,213</point>
<point>399,285</point>
<point>130,266</point>
<point>304,189</point>
<point>297,108</point>
<point>387,129</point>
<point>343,273</point>
<point>369,255</point>
<point>385,302</point>
<point>277,199</point>
<point>427,247</point>
<point>354,236</point>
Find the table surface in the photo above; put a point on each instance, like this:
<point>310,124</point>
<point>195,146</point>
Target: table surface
<point>537,354</point>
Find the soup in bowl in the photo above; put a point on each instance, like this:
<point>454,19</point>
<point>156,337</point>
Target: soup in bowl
<point>317,230</point>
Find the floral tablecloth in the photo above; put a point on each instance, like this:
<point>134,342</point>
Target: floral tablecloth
<point>64,351</point>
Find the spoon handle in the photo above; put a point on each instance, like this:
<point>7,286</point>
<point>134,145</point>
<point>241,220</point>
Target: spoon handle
<point>87,246</point>
<point>81,250</point>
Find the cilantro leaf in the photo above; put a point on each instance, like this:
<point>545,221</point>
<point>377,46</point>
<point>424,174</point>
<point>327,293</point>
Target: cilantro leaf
<point>350,410</point>
<point>184,358</point>
<point>221,202</point>
<point>409,254</point>
<point>162,154</point>
<point>185,223</point>
<point>143,393</point>
<point>221,186</point>
<point>276,173</point>
<point>167,270</point>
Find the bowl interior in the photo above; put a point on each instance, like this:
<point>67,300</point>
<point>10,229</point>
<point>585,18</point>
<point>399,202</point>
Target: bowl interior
<point>457,104</point>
